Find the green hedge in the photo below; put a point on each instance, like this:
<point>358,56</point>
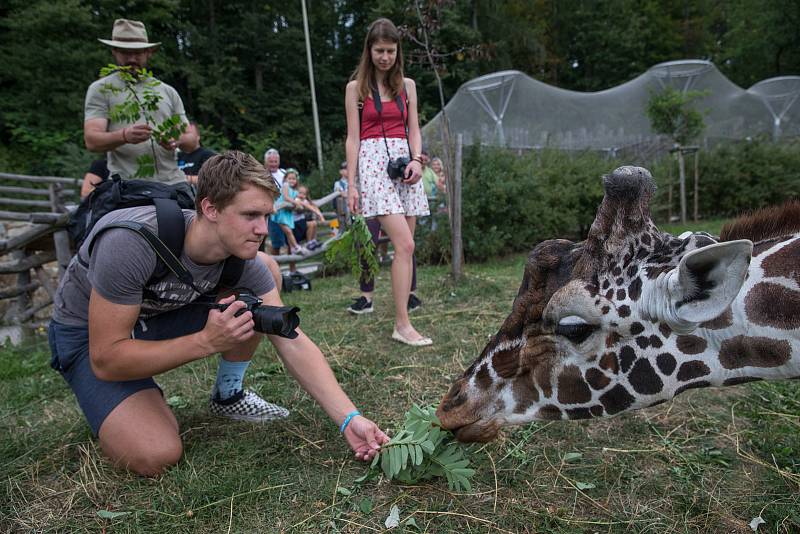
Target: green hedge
<point>512,202</point>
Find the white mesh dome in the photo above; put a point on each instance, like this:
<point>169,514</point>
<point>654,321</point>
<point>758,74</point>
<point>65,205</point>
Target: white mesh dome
<point>513,110</point>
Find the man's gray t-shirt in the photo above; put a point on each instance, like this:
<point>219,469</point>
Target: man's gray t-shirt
<point>122,263</point>
<point>122,160</point>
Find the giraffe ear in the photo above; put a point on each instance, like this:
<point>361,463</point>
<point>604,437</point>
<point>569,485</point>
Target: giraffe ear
<point>708,279</point>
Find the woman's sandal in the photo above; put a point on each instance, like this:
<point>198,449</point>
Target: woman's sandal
<point>422,342</point>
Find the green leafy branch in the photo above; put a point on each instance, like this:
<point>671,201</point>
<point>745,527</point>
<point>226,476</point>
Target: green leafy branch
<point>422,449</point>
<point>135,107</point>
<point>355,246</point>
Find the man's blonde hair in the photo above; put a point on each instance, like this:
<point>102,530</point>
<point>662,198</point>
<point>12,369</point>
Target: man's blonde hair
<point>224,175</point>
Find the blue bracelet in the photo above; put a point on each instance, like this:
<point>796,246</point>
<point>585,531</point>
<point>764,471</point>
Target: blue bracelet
<point>347,420</point>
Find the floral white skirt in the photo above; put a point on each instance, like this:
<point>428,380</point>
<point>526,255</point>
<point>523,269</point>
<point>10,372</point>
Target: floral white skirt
<point>380,195</point>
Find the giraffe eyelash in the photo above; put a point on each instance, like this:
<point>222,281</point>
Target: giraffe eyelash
<point>575,329</point>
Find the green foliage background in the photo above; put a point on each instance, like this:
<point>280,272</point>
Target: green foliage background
<point>240,65</point>
<point>512,202</point>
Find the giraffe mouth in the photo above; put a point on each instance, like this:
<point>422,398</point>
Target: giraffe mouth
<point>479,431</point>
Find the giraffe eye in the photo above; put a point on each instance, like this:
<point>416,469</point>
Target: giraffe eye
<point>575,329</point>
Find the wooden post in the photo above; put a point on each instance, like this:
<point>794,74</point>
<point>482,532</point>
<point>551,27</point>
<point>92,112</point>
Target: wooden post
<point>669,190</point>
<point>696,186</point>
<point>60,237</point>
<point>682,183</point>
<point>23,300</point>
<point>456,243</point>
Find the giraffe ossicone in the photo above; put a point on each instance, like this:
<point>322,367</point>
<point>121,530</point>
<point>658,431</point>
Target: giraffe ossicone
<point>632,316</point>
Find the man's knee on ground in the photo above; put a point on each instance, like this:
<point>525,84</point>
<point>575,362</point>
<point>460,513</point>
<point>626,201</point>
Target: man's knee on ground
<point>152,459</point>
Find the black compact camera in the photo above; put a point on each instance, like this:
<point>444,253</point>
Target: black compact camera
<point>396,168</point>
<point>274,320</point>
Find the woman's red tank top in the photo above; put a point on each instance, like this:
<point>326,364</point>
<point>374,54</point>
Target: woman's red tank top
<point>392,120</point>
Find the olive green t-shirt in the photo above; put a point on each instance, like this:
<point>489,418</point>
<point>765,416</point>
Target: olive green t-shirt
<point>122,160</point>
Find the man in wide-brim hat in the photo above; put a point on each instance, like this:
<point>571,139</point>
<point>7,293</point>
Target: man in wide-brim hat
<point>125,142</point>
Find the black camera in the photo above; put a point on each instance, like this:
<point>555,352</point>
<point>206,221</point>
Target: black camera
<point>274,320</point>
<point>396,168</point>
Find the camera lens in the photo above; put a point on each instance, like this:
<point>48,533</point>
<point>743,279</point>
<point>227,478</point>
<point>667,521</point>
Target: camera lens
<point>275,320</point>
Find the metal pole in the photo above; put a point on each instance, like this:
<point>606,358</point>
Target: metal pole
<point>313,91</point>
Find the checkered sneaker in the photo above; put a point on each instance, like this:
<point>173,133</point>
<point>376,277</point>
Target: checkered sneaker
<point>245,405</point>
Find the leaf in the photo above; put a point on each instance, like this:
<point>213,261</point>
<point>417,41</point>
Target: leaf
<point>756,522</point>
<point>176,401</point>
<point>107,514</point>
<point>394,517</point>
<point>365,505</point>
<point>584,485</point>
<point>572,456</point>
<point>403,456</point>
<point>343,491</point>
<point>410,522</point>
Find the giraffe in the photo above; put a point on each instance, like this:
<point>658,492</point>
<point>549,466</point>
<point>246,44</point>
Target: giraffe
<point>631,317</point>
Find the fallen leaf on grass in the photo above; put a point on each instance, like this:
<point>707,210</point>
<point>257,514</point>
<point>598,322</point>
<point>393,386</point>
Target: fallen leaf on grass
<point>108,514</point>
<point>394,517</point>
<point>756,522</point>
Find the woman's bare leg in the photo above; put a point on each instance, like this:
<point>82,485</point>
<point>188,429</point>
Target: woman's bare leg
<point>400,233</point>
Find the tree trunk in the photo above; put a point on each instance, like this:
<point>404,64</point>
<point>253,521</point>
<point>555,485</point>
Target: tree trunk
<point>455,223</point>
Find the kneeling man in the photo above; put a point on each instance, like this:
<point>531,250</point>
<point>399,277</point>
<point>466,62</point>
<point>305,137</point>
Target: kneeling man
<point>116,325</point>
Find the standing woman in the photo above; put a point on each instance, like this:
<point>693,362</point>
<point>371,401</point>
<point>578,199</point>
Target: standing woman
<point>373,139</point>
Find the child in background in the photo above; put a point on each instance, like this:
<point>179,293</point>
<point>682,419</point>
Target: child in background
<point>285,204</point>
<point>309,215</point>
<point>340,204</point>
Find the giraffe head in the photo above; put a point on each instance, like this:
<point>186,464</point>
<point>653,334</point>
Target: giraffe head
<point>595,325</point>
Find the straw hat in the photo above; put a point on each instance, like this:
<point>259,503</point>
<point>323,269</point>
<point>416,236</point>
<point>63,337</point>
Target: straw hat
<point>129,34</point>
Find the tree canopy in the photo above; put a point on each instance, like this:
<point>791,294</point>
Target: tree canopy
<point>240,65</point>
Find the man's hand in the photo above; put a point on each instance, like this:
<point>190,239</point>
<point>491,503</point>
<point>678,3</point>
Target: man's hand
<point>169,144</point>
<point>365,438</point>
<point>224,330</point>
<point>138,133</point>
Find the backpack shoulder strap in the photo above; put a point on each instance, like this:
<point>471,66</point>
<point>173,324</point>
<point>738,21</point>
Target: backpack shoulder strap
<point>231,273</point>
<point>171,229</point>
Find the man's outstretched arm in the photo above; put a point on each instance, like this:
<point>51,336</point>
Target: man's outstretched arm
<point>308,366</point>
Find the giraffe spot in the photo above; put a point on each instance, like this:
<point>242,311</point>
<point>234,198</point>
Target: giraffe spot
<point>635,289</point>
<point>609,294</point>
<point>666,363</point>
<point>642,254</point>
<point>723,320</point>
<point>542,374</point>
<point>483,379</point>
<point>606,284</point>
<point>624,310</point>
<point>620,294</point>
<point>455,396</point>
<point>632,270</point>
<point>664,329</point>
<point>626,357</point>
<point>572,388</point>
<point>691,344</point>
<point>612,339</point>
<point>644,378</point>
<point>579,413</point>
<point>742,351</point>
<point>760,306</point>
<point>654,271</point>
<point>627,260</point>
<point>616,399</point>
<point>655,342</point>
<point>592,289</point>
<point>597,379</point>
<point>605,309</point>
<point>643,342</point>
<point>619,281</point>
<point>596,410</point>
<point>505,362</point>
<point>616,271</point>
<point>646,239</point>
<point>609,362</point>
<point>784,262</point>
<point>740,380</point>
<point>637,328</point>
<point>693,369</point>
<point>524,392</point>
<point>693,385</point>
<point>550,412</point>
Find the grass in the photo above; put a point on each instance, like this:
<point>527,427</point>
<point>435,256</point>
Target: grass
<point>708,462</point>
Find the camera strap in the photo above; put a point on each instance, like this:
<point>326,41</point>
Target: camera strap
<point>376,99</point>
